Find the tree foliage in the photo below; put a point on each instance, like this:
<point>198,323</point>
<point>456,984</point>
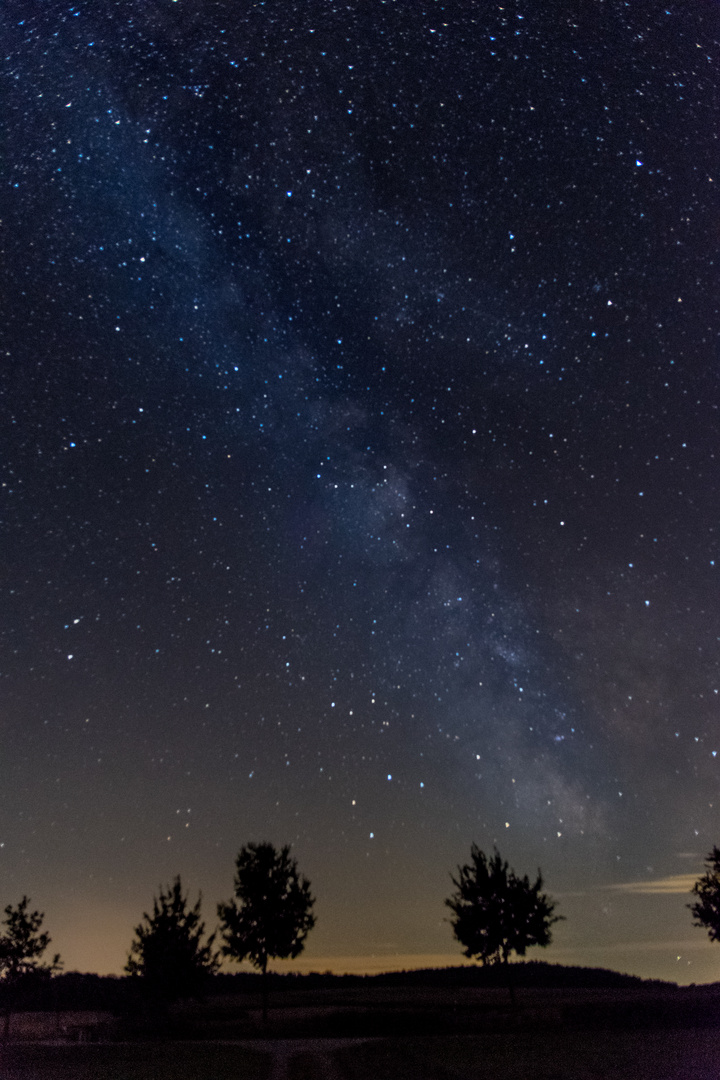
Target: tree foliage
<point>271,913</point>
<point>706,907</point>
<point>168,952</point>
<point>495,912</point>
<point>22,944</point>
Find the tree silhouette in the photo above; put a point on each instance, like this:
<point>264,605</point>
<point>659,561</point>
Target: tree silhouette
<point>168,951</point>
<point>271,914</point>
<point>706,908</point>
<point>21,947</point>
<point>496,913</point>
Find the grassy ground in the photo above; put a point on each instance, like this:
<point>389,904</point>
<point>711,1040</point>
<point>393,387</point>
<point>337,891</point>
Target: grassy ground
<point>173,1061</point>
<point>419,1034</point>
<point>685,1054</point>
<point>689,1054</point>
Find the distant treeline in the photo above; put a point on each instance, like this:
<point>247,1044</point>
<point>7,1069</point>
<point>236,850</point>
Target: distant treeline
<point>75,990</point>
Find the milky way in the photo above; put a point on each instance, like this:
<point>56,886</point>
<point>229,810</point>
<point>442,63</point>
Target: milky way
<point>359,482</point>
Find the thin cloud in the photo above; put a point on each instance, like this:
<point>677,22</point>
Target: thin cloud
<point>675,883</point>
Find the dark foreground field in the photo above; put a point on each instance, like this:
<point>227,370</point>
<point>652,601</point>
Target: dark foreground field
<point>686,1054</point>
<point>382,1032</point>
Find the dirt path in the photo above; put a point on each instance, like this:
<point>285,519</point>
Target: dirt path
<point>304,1059</point>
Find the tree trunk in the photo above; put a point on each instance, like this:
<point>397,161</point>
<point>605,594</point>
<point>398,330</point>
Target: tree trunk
<point>264,991</point>
<point>510,981</point>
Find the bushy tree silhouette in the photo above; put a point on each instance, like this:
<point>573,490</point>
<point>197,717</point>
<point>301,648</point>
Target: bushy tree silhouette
<point>496,913</point>
<point>168,952</point>
<point>22,945</point>
<point>271,913</point>
<point>706,907</point>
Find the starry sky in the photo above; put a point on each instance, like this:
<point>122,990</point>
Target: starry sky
<point>359,447</point>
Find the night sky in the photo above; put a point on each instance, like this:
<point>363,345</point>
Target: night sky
<point>360,468</point>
